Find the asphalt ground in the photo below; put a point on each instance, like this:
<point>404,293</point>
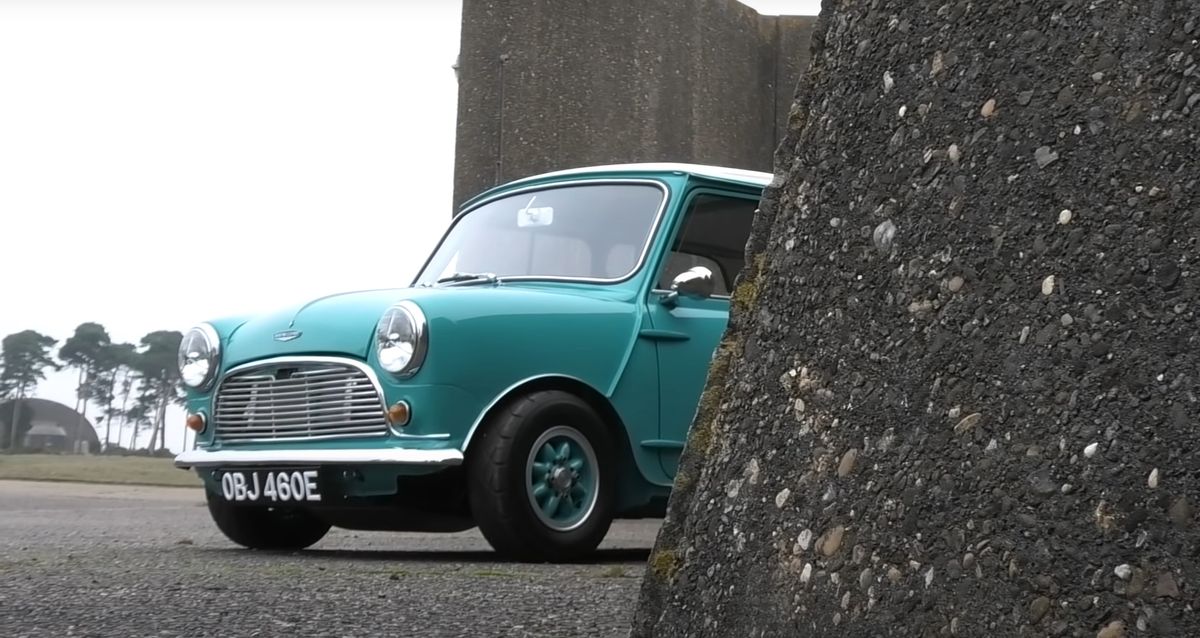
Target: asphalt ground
<point>103,560</point>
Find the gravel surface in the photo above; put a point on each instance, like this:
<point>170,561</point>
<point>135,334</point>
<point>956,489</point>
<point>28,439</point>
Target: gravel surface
<point>97,560</point>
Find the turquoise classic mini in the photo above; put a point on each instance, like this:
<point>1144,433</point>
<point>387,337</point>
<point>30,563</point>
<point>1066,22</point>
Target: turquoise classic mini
<point>537,379</point>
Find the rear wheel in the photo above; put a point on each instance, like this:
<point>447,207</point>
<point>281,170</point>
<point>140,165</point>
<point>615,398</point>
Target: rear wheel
<point>541,481</point>
<point>267,528</point>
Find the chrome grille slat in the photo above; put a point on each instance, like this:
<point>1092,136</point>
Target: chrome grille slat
<point>253,410</point>
<point>328,427</point>
<point>313,399</point>
<point>357,393</point>
<point>303,383</point>
<point>283,386</point>
<point>252,435</point>
<point>243,423</point>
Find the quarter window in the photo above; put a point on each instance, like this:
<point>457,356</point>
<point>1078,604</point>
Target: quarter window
<point>714,234</point>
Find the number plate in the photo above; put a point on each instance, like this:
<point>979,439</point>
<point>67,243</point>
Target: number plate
<point>270,486</point>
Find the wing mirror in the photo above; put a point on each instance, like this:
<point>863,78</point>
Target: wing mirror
<point>695,282</point>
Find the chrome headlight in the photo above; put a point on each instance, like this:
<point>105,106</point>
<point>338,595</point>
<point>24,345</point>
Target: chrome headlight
<point>199,356</point>
<point>401,339</point>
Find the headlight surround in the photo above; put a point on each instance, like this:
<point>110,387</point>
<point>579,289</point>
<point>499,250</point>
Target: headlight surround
<point>199,356</point>
<point>402,339</point>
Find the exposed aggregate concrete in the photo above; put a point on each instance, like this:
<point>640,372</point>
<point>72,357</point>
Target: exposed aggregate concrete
<point>958,392</point>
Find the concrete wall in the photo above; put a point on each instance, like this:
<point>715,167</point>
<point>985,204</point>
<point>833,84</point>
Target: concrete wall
<point>993,427</point>
<point>545,85</point>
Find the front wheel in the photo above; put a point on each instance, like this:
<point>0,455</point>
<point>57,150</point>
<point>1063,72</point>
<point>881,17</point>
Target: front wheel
<point>541,480</point>
<point>266,528</point>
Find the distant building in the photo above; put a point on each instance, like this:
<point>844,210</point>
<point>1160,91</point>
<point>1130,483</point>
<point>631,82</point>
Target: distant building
<point>53,427</point>
<point>544,85</point>
<point>48,437</point>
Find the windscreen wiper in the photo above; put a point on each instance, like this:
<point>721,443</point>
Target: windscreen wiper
<point>460,277</point>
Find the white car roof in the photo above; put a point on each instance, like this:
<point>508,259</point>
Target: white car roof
<point>703,170</point>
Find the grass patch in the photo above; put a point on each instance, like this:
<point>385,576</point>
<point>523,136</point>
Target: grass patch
<point>491,573</point>
<point>118,470</point>
<point>615,571</point>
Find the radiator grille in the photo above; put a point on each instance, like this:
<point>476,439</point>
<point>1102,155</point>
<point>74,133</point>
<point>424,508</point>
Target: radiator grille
<point>300,400</point>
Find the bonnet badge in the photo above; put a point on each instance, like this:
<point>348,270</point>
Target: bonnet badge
<point>287,335</point>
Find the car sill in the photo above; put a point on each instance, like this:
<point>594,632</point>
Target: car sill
<point>387,456</point>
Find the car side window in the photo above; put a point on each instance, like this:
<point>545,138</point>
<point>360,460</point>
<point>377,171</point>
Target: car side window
<point>714,233</point>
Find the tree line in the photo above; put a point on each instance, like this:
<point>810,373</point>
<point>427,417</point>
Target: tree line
<point>130,385</point>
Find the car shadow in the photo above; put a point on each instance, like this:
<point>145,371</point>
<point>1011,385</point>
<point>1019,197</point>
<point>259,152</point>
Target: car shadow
<point>599,557</point>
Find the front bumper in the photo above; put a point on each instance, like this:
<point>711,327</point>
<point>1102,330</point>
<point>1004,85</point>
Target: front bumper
<point>385,456</point>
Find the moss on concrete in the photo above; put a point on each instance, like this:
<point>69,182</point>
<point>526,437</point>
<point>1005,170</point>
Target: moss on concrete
<point>745,295</point>
<point>664,564</point>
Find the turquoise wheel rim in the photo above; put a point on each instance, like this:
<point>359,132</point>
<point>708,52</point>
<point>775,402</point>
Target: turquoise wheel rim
<point>562,478</point>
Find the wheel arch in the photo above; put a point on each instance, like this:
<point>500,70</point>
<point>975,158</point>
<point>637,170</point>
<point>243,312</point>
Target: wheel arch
<point>594,398</point>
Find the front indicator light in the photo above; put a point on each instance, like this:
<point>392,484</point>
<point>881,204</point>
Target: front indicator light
<point>196,422</point>
<point>399,414</point>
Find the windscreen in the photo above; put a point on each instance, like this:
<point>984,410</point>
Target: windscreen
<point>585,231</point>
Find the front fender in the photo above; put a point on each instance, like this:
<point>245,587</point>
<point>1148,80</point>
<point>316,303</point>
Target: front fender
<point>485,340</point>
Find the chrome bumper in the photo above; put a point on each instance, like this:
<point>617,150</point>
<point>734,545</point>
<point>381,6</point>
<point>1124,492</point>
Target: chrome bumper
<point>394,456</point>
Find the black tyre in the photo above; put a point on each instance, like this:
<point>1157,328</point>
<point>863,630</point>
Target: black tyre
<point>267,528</point>
<point>540,477</point>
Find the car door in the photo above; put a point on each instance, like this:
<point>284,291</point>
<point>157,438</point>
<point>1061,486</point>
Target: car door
<point>712,234</point>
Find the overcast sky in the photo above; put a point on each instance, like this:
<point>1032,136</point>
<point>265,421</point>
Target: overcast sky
<point>165,162</point>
